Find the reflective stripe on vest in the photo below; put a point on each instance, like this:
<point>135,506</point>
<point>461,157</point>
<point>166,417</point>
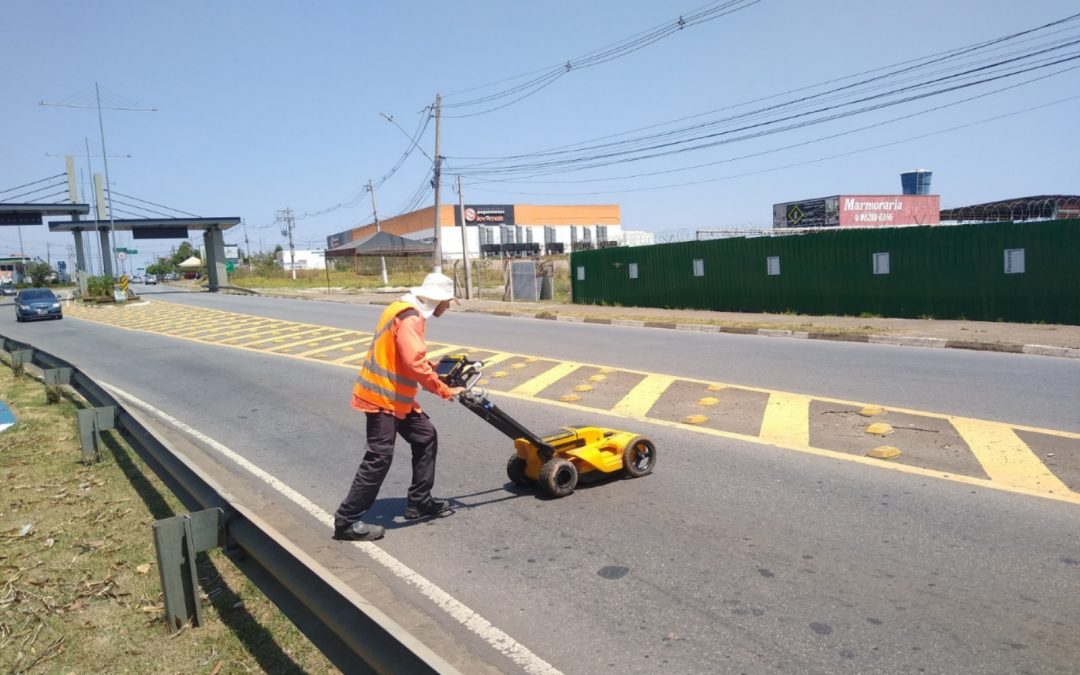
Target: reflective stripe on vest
<point>378,381</point>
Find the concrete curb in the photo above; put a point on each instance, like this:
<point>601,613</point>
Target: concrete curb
<point>893,340</point>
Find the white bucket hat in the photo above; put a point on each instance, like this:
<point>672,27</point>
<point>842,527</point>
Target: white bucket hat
<point>436,287</point>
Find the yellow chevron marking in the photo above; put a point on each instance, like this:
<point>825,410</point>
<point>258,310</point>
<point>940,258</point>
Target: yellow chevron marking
<point>1006,458</point>
<point>643,396</point>
<point>545,379</point>
<point>786,420</point>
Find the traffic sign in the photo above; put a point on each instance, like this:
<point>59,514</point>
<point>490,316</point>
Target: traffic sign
<point>229,266</point>
<point>120,249</point>
<point>122,255</point>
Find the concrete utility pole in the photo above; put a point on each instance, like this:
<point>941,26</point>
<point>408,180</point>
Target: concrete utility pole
<point>436,183</point>
<point>464,241</point>
<point>285,217</point>
<point>378,228</point>
<point>247,244</point>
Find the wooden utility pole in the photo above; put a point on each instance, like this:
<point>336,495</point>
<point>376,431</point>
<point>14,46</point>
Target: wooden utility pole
<point>375,213</point>
<point>436,182</point>
<point>464,241</point>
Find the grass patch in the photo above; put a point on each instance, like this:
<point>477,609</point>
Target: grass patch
<point>79,585</point>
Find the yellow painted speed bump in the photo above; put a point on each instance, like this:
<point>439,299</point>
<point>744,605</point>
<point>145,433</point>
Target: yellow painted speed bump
<point>879,429</point>
<point>708,400</point>
<point>583,387</point>
<point>606,371</point>
<point>597,378</point>
<point>716,387</point>
<point>499,373</point>
<point>884,452</point>
<point>517,365</point>
<point>569,397</point>
<point>871,410</point>
<point>695,419</point>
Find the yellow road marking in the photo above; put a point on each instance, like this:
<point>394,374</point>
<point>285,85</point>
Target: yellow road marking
<point>545,379</point>
<point>287,336</point>
<point>1008,462</point>
<point>786,420</point>
<point>497,358</point>
<point>338,345</point>
<point>1006,458</point>
<point>437,353</point>
<point>344,360</point>
<point>318,339</point>
<point>643,396</point>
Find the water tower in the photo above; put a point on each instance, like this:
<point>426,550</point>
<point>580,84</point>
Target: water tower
<point>916,182</point>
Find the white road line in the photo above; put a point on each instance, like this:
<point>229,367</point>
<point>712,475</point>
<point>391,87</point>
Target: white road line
<point>483,628</point>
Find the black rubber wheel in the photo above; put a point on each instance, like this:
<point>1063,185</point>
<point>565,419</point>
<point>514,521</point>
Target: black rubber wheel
<point>639,457</point>
<point>515,470</point>
<point>558,477</point>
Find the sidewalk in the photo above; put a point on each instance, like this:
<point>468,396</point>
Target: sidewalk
<point>1042,339</point>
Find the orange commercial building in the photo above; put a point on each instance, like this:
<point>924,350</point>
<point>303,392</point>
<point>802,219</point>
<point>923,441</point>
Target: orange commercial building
<point>498,229</point>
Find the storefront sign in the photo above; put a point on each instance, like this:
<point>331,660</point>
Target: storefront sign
<point>486,214</point>
<point>888,210</point>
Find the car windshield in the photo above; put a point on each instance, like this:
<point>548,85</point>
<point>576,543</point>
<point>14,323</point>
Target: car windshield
<point>32,294</point>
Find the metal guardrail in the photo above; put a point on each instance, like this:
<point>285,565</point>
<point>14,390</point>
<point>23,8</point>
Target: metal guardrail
<point>355,639</point>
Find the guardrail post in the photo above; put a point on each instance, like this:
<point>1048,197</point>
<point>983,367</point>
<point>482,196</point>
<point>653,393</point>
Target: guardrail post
<point>19,359</point>
<point>54,379</point>
<point>92,421</point>
<point>178,540</point>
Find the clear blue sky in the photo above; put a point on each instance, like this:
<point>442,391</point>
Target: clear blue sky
<point>268,105</point>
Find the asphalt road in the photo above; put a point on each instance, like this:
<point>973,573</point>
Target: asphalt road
<point>733,556</point>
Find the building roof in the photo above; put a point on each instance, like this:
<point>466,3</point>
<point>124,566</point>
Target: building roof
<point>381,243</point>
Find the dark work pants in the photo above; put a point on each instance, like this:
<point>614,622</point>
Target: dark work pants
<point>382,432</point>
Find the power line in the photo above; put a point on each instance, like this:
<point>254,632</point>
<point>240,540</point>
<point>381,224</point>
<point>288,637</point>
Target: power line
<point>578,152</point>
<point>708,12</point>
<point>666,144</point>
<point>816,160</point>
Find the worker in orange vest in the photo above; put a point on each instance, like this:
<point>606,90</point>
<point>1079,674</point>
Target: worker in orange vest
<point>395,369</point>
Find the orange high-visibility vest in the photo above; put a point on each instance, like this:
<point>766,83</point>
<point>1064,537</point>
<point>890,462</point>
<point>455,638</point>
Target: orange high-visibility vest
<point>380,381</point>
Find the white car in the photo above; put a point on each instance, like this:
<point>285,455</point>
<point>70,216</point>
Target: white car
<point>150,279</point>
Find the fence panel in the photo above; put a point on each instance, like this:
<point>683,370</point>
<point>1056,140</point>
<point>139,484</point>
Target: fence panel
<point>935,272</point>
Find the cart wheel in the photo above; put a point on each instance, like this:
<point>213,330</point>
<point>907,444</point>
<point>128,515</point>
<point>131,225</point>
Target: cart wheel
<point>515,470</point>
<point>558,477</point>
<point>639,457</point>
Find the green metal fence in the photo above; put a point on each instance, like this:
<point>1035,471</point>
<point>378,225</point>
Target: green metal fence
<point>1023,272</point>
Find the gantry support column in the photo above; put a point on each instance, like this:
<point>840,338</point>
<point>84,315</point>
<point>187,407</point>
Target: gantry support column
<point>214,245</point>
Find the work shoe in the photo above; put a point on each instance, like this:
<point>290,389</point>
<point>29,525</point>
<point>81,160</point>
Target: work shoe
<point>432,508</point>
<point>359,531</point>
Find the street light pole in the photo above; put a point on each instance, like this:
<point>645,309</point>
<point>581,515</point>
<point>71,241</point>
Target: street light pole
<point>436,183</point>
<point>108,183</point>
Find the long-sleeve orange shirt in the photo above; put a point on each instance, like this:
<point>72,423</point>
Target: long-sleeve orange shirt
<point>408,333</point>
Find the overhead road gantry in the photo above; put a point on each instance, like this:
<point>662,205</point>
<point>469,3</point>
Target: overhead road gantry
<point>35,214</point>
<point>165,228</point>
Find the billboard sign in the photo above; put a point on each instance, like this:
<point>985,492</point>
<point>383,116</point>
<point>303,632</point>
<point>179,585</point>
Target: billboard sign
<point>889,210</point>
<point>806,213</point>
<point>486,214</point>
